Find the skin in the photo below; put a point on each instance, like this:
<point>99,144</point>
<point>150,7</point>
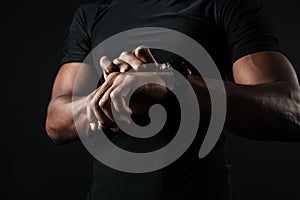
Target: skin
<point>263,101</point>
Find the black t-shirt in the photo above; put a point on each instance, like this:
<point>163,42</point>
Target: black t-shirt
<point>228,30</point>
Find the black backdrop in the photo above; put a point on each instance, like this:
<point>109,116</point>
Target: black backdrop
<point>32,167</point>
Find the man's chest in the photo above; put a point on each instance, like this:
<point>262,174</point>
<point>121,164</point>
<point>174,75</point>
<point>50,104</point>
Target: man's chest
<point>195,20</point>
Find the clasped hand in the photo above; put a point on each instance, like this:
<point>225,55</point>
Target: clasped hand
<point>120,76</point>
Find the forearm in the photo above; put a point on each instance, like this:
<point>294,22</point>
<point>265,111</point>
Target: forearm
<point>61,117</point>
<point>261,112</point>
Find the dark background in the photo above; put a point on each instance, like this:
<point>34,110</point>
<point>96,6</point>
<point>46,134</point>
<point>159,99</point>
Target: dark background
<point>33,167</point>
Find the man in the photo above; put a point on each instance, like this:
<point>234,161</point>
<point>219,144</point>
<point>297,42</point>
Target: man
<point>262,90</point>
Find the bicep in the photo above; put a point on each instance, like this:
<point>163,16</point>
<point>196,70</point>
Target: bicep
<point>75,78</point>
<point>263,67</point>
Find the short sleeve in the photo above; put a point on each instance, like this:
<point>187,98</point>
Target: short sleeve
<point>77,41</point>
<point>247,28</point>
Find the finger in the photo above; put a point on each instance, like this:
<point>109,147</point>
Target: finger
<point>108,93</point>
<point>90,115</point>
<point>91,118</point>
<point>102,127</point>
<point>103,120</point>
<point>105,104</point>
<point>144,54</point>
<point>130,59</point>
<point>118,102</point>
<point>123,66</point>
<point>98,113</point>
<point>106,85</point>
<point>108,66</point>
<point>114,97</point>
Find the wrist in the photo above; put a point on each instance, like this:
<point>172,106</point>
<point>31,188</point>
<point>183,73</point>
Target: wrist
<point>176,70</point>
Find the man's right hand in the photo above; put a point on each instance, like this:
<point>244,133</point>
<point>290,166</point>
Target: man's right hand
<point>129,60</point>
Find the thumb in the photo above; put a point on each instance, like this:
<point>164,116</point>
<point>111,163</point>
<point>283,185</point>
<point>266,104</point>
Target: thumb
<point>107,66</point>
<point>144,54</point>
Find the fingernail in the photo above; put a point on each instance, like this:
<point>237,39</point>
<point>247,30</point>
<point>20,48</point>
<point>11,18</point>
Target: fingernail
<point>93,126</point>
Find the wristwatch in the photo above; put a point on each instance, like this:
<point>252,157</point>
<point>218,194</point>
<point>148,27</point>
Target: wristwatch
<point>181,68</point>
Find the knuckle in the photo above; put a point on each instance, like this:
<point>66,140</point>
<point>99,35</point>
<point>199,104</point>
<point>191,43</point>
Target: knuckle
<point>141,48</point>
<point>112,75</point>
<point>89,98</point>
<point>113,95</point>
<point>101,104</point>
<point>126,67</point>
<point>93,104</point>
<point>116,61</point>
<point>124,53</point>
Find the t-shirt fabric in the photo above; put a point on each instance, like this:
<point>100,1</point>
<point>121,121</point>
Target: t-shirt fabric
<point>228,30</point>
